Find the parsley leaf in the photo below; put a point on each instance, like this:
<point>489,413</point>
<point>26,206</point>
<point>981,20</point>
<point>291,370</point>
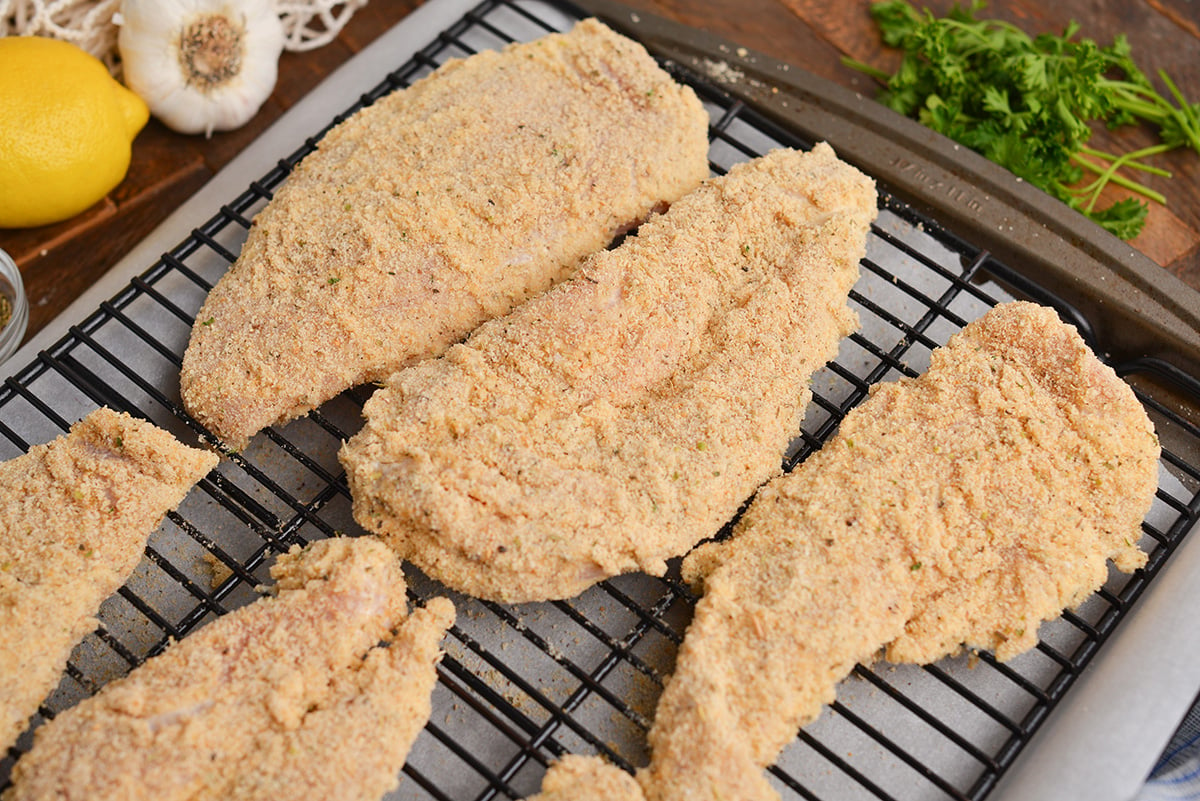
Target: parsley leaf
<point>1124,218</point>
<point>1028,103</point>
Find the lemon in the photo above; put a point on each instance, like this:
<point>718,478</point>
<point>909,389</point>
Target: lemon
<point>65,130</point>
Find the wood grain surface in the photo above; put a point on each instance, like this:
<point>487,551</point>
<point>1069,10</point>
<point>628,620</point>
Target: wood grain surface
<point>58,262</point>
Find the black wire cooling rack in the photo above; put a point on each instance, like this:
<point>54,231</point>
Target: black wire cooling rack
<point>522,685</point>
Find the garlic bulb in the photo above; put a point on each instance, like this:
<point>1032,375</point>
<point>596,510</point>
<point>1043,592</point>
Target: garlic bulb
<point>201,65</point>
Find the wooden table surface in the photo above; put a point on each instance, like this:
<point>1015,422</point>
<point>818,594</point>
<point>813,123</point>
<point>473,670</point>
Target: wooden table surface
<point>60,261</point>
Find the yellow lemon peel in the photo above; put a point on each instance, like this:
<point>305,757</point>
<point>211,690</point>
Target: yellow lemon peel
<point>66,131</point>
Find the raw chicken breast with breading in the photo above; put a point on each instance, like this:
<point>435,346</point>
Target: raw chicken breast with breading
<point>434,209</point>
<point>75,515</point>
<point>317,692</point>
<point>625,415</point>
<point>963,507</point>
<point>581,778</point>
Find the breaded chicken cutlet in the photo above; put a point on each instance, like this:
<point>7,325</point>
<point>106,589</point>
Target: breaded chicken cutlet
<point>75,515</point>
<point>580,778</point>
<point>625,415</point>
<point>292,696</point>
<point>434,209</point>
<point>961,508</point>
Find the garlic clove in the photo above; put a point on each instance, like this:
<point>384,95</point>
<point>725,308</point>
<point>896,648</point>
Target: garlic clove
<point>201,65</point>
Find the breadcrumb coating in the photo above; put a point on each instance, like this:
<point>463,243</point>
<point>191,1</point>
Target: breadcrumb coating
<point>316,692</point>
<point>584,778</point>
<point>625,415</point>
<point>434,209</point>
<point>960,508</point>
<point>75,515</point>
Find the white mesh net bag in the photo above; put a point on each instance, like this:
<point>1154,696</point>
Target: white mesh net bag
<point>307,24</point>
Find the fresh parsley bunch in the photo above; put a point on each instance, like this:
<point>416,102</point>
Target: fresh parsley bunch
<point>1028,103</point>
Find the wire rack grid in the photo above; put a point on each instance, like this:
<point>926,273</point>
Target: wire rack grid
<point>522,685</point>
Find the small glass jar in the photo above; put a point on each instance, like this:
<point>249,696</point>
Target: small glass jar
<point>14,307</point>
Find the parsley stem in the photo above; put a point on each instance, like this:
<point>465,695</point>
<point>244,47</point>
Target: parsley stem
<point>1131,99</point>
<point>1186,115</point>
<point>1149,105</point>
<point>866,69</point>
<point>1135,165</point>
<point>1109,175</point>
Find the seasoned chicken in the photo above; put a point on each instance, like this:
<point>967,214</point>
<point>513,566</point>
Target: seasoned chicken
<point>580,778</point>
<point>75,515</point>
<point>964,507</point>
<point>293,696</point>
<point>434,209</point>
<point>617,420</point>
